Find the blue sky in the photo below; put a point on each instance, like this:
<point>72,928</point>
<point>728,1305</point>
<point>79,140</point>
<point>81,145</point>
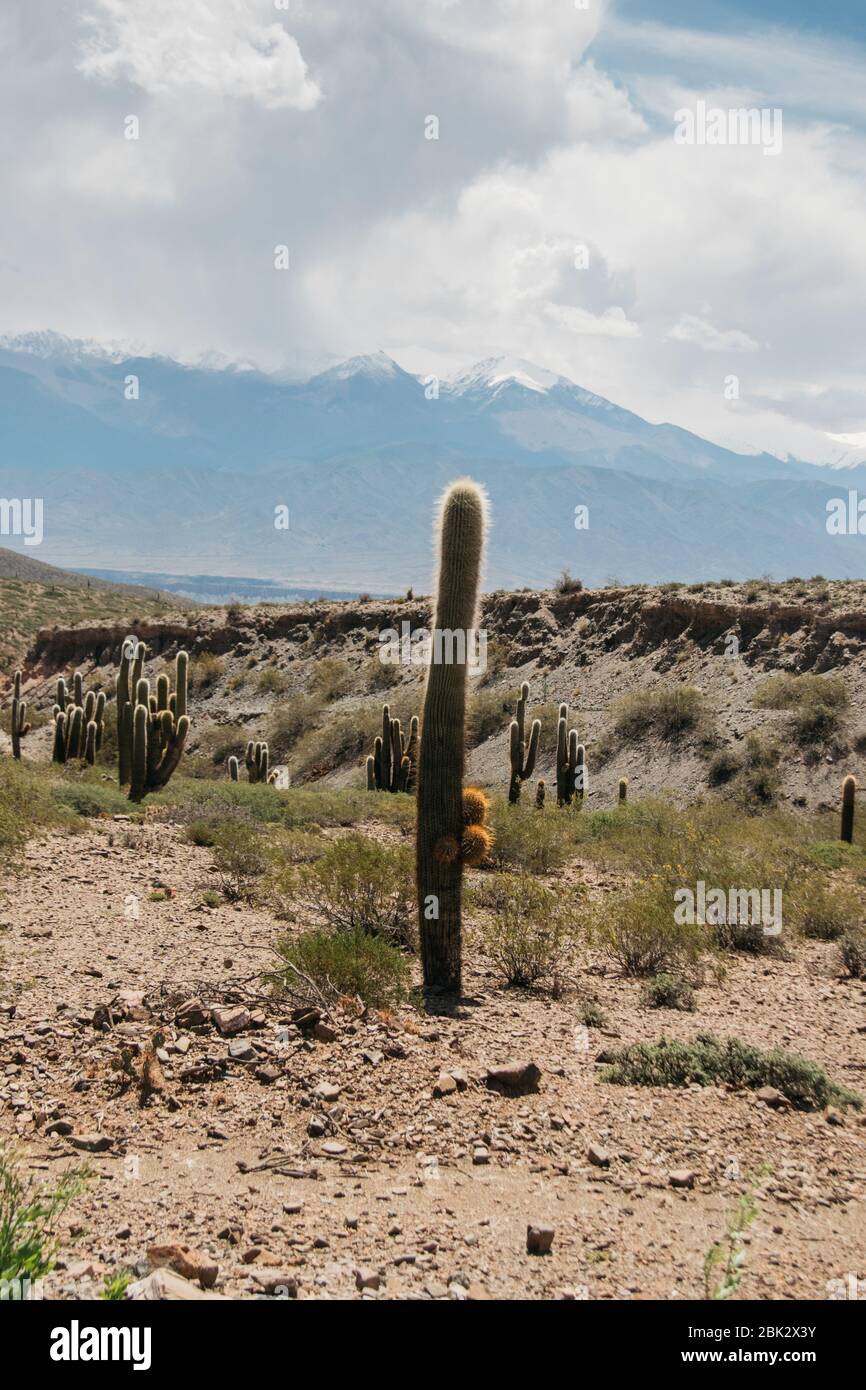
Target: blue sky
<point>555,218</point>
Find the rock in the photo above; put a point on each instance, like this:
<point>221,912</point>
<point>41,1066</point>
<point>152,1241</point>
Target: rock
<point>681,1177</point>
<point>59,1127</point>
<point>768,1095</point>
<point>834,1117</point>
<point>277,1285</point>
<point>333,1149</point>
<point>367,1279</point>
<point>327,1092</point>
<point>480,1156</point>
<point>539,1240</point>
<point>324,1032</point>
<point>191,1264</point>
<point>91,1143</point>
<point>598,1156</point>
<point>240,1050</point>
<point>267,1075</point>
<point>317,1127</point>
<point>192,1014</point>
<point>514,1078</point>
<point>445,1085</point>
<point>164,1285</point>
<point>231,1021</point>
<point>373,1058</point>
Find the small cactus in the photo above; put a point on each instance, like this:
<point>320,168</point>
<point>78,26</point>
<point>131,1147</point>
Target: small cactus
<point>393,761</point>
<point>539,796</point>
<point>73,714</point>
<point>623,790</point>
<point>20,727</point>
<point>234,769</point>
<point>522,756</point>
<point>849,792</point>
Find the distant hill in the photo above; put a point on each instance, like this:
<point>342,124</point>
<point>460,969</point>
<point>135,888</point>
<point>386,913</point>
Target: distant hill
<point>35,595</point>
<point>186,478</point>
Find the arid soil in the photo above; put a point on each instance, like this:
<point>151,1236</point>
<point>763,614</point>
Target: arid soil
<point>324,1166</point>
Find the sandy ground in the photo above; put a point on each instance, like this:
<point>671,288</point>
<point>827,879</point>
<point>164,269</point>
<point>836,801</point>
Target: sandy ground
<point>292,1163</point>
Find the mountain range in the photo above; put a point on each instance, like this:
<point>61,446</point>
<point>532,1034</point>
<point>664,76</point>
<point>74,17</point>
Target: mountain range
<point>148,467</point>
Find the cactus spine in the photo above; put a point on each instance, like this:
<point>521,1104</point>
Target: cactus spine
<point>158,734</point>
<point>462,523</point>
<point>522,758</point>
<point>849,791</point>
<point>20,727</point>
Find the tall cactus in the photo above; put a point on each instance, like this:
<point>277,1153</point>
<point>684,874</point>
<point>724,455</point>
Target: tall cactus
<point>257,761</point>
<point>132,655</point>
<point>74,712</point>
<point>391,766</point>
<point>522,757</point>
<point>849,792</point>
<point>20,727</point>
<point>439,872</point>
<point>160,725</point>
<point>571,772</point>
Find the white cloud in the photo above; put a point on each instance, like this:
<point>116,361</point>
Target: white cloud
<point>221,47</point>
<point>691,329</point>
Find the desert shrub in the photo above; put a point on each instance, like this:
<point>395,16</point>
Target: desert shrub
<point>326,965</point>
<point>270,681</point>
<point>723,766</point>
<point>824,911</point>
<point>489,712</point>
<point>90,798</point>
<point>668,992</point>
<point>204,672</point>
<point>592,1015</point>
<point>287,722</point>
<point>852,950</point>
<point>567,584</point>
<point>815,705</point>
<point>530,930</point>
<point>638,931</point>
<point>240,858</point>
<point>668,711</point>
<point>527,840</point>
<point>760,779</point>
<point>710,1060</point>
<point>224,741</point>
<point>331,678</point>
<point>186,800</point>
<point>357,885</point>
<point>28,1212</point>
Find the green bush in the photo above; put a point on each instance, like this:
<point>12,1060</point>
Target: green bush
<point>530,931</point>
<point>327,965</point>
<point>240,857</point>
<point>852,949</point>
<point>815,705</point>
<point>28,1244</point>
<point>270,681</point>
<point>289,721</point>
<point>331,678</point>
<point>668,992</point>
<point>357,885</point>
<point>760,778</point>
<point>823,911</point>
<point>709,1061</point>
<point>489,713</point>
<point>639,933</point>
<point>527,840</point>
<point>668,711</point>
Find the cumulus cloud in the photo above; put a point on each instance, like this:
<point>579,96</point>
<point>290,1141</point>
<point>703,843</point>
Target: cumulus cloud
<point>691,329</point>
<point>221,47</point>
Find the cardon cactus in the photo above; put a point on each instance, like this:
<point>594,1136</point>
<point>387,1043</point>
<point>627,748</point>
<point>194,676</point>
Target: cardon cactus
<point>159,729</point>
<point>570,762</point>
<point>257,761</point>
<point>132,656</point>
<point>73,716</point>
<point>441,829</point>
<point>234,769</point>
<point>539,796</point>
<point>20,727</point>
<point>623,789</point>
<point>522,756</point>
<point>849,792</point>
<point>391,766</point>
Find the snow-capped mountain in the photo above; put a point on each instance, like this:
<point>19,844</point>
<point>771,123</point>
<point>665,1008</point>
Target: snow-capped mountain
<point>146,464</point>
